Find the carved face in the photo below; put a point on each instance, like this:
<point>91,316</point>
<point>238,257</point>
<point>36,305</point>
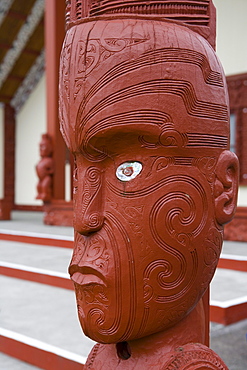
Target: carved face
<point>45,147</point>
<point>144,246</point>
<point>146,129</point>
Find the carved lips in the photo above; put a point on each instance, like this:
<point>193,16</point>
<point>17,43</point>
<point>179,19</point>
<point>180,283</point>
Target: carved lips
<point>85,275</point>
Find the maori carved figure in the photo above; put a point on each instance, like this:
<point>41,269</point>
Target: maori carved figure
<point>45,169</point>
<point>144,110</point>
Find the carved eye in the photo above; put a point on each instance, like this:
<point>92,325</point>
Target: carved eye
<point>128,170</point>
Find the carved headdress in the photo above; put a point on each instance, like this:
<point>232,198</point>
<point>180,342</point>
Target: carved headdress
<point>198,15</point>
<point>132,60</point>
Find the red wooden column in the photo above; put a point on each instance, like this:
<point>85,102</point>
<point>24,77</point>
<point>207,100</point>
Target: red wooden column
<point>58,212</point>
<point>54,35</point>
<point>7,203</point>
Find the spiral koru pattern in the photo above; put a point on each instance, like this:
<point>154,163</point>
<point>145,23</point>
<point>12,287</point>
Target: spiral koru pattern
<point>97,316</point>
<point>96,294</point>
<point>180,214</point>
<point>176,221</point>
<point>91,198</point>
<point>93,177</point>
<point>94,220</point>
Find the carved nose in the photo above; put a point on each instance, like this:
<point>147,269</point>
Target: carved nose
<point>88,203</point>
<point>89,223</point>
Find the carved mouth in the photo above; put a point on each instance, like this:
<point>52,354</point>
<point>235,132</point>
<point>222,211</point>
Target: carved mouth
<point>84,275</point>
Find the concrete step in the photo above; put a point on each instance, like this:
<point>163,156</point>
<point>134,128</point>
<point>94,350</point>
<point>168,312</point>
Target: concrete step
<point>234,256</point>
<point>39,321</point>
<point>11,363</point>
<point>39,325</point>
<point>28,227</point>
<point>228,298</point>
<point>43,264</point>
<point>36,256</point>
<point>32,222</point>
<point>48,265</point>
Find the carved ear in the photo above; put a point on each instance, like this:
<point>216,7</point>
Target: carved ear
<point>226,186</point>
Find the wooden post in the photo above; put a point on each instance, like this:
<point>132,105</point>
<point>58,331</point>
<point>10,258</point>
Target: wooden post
<point>54,35</point>
<point>152,169</point>
<point>7,203</point>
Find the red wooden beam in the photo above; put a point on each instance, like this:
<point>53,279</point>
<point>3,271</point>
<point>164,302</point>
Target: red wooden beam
<point>37,353</point>
<point>35,274</point>
<point>33,239</point>
<point>233,264</point>
<point>227,314</point>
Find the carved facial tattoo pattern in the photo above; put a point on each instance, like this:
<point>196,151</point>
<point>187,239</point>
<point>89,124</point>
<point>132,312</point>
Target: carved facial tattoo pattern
<point>140,246</point>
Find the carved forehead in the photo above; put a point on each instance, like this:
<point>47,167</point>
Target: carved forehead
<point>129,65</point>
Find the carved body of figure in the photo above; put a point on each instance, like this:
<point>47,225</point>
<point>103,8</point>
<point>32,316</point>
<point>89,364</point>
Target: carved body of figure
<point>144,111</point>
<point>45,169</point>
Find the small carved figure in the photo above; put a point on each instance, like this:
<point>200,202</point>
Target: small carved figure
<point>144,110</point>
<point>45,169</point>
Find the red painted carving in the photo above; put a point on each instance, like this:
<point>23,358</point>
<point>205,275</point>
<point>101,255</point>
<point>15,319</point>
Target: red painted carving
<point>45,169</point>
<point>58,212</point>
<point>237,228</point>
<point>144,110</point>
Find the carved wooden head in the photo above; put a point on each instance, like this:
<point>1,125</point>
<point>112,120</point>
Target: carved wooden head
<point>144,110</point>
<point>45,146</point>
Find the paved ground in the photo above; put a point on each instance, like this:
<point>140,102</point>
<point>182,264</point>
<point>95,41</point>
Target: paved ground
<point>10,363</point>
<point>230,344</point>
<point>42,312</point>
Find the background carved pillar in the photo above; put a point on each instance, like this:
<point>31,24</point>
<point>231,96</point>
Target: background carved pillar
<point>54,35</point>
<point>58,211</point>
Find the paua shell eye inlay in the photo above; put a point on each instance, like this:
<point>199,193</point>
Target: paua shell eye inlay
<point>128,170</point>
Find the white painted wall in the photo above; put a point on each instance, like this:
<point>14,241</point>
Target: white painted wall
<point>1,152</point>
<point>67,182</point>
<point>231,44</point>
<point>242,196</point>
<point>30,125</point>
